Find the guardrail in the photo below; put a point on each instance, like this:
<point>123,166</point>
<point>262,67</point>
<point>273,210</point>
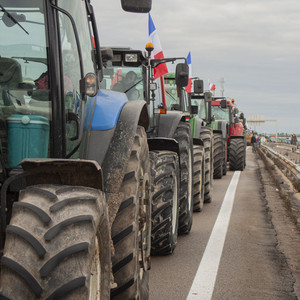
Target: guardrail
<point>284,163</point>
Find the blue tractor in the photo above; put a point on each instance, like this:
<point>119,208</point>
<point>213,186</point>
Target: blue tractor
<point>74,160</point>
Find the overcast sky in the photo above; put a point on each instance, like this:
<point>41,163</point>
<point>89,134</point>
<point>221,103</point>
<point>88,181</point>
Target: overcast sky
<point>253,44</point>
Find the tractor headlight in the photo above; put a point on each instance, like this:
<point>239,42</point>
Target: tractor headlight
<point>131,57</point>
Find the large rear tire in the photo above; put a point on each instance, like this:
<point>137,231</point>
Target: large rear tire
<point>57,245</point>
<point>131,229</point>
<point>199,175</point>
<point>184,138</point>
<point>165,201</point>
<point>237,153</point>
<point>219,155</point>
<point>207,137</point>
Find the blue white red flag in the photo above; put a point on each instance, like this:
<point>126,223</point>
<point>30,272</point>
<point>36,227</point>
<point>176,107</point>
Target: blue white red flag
<point>212,86</point>
<point>157,52</point>
<point>188,88</point>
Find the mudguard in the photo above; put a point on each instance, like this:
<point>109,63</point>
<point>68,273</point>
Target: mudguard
<point>107,109</point>
<point>168,123</point>
<point>163,144</point>
<point>109,106</point>
<point>196,124</point>
<point>220,126</point>
<point>63,171</point>
<point>118,143</point>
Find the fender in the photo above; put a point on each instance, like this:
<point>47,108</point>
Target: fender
<point>63,171</point>
<point>196,125</point>
<point>220,126</point>
<point>108,108</point>
<point>236,137</point>
<point>163,144</point>
<point>168,123</point>
<point>119,147</point>
<point>198,142</point>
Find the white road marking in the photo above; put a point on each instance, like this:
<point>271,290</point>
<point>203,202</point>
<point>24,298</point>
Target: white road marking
<point>204,281</point>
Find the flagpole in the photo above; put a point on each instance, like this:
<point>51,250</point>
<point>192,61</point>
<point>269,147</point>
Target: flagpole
<point>163,91</point>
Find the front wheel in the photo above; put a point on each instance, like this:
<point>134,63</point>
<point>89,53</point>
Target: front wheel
<point>206,136</point>
<point>131,229</point>
<point>219,155</point>
<point>57,245</point>
<point>184,138</point>
<point>199,175</point>
<point>165,201</point>
<point>237,154</point>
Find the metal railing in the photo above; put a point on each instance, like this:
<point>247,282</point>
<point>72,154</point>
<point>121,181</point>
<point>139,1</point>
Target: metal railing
<point>282,161</point>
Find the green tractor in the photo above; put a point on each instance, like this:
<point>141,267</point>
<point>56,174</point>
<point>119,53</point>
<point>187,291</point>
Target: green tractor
<point>201,106</point>
<point>74,160</point>
<point>178,100</point>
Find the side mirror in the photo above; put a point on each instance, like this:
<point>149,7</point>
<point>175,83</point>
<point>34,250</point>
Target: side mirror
<point>223,103</point>
<point>182,75</point>
<point>242,116</point>
<point>194,109</point>
<point>198,86</point>
<point>139,6</point>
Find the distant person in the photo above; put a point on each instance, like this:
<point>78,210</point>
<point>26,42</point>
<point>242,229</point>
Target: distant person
<point>253,142</point>
<point>294,141</point>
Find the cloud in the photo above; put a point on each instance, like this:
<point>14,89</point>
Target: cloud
<point>254,45</point>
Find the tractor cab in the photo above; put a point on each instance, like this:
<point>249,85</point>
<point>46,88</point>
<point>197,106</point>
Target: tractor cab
<point>124,73</point>
<point>176,97</point>
<point>47,78</point>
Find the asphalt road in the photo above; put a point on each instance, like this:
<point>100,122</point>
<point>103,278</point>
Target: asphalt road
<point>232,250</point>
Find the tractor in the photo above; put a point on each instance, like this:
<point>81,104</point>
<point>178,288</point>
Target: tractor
<point>74,160</point>
<point>131,71</point>
<point>178,101</point>
<point>224,109</point>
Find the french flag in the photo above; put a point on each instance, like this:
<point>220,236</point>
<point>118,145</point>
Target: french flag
<point>188,88</point>
<point>157,52</point>
<point>212,86</point>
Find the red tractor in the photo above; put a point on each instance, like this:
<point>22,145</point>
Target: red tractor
<point>224,109</point>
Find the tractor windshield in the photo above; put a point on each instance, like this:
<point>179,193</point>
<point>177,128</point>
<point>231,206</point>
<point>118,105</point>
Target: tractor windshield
<point>24,89</point>
<point>172,98</point>
<point>220,113</point>
<point>124,79</point>
<point>201,107</point>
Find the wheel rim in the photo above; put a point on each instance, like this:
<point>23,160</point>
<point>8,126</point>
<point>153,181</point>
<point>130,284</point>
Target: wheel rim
<point>95,279</point>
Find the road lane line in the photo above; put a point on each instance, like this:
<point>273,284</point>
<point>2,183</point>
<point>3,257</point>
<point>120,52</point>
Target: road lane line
<point>204,281</point>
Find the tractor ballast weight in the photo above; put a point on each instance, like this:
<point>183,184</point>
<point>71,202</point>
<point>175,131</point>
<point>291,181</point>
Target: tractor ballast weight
<point>65,209</point>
